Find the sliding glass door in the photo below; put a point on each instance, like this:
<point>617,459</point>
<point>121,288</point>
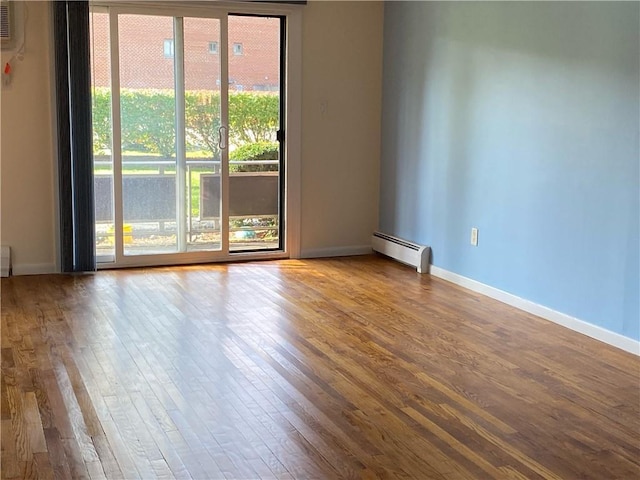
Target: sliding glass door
<point>255,135</point>
<point>188,137</point>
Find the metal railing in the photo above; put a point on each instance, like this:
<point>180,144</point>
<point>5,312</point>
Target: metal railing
<point>194,225</point>
<point>161,164</point>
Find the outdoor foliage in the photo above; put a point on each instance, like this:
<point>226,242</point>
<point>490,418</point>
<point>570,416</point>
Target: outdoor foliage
<point>202,111</point>
<point>148,119</point>
<point>253,117</point>
<point>255,151</point>
<point>101,113</point>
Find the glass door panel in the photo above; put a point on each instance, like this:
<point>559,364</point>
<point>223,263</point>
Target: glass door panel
<point>148,125</point>
<point>102,142</point>
<point>203,135</point>
<point>254,121</point>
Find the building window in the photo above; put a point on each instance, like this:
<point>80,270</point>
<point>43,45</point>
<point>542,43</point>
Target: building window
<point>213,48</point>
<point>168,48</point>
<point>237,49</point>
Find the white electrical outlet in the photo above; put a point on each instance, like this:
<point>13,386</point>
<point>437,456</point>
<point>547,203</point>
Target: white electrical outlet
<point>474,236</point>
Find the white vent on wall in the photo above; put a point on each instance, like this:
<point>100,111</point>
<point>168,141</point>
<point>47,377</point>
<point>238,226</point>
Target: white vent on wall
<point>5,22</point>
<point>12,19</point>
<point>402,250</point>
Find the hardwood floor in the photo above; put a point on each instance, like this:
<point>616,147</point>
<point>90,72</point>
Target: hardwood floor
<point>332,368</point>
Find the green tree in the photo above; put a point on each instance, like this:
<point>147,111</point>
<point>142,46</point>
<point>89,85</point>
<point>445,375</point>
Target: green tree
<point>148,120</point>
<point>202,122</point>
<point>253,117</point>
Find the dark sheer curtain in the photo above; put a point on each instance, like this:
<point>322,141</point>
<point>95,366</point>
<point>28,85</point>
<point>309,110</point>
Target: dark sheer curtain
<point>75,156</point>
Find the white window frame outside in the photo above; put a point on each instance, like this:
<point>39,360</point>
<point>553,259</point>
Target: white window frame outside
<point>169,48</point>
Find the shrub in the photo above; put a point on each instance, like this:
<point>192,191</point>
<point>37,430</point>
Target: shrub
<point>255,151</point>
<point>101,117</point>
<point>253,117</point>
<point>148,120</point>
<point>202,122</point>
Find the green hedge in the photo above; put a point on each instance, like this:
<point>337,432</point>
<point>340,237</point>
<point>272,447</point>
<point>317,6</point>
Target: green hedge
<point>255,151</point>
<point>148,119</point>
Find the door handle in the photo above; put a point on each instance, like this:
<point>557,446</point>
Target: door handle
<point>222,137</point>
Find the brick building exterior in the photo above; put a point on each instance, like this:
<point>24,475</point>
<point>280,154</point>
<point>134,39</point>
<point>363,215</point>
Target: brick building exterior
<point>147,52</point>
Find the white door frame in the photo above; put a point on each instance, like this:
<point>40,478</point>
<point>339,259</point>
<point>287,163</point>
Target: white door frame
<point>293,119</point>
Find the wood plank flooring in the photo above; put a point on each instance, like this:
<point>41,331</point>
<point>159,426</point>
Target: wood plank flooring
<point>330,368</point>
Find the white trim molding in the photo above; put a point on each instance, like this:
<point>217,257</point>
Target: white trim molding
<point>336,251</point>
<point>611,338</point>
<point>293,155</point>
<point>34,269</point>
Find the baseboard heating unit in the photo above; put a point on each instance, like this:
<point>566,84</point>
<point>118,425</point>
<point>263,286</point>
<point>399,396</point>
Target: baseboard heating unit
<point>402,250</point>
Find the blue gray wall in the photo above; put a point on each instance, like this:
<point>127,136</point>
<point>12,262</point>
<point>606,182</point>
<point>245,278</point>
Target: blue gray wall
<point>521,119</point>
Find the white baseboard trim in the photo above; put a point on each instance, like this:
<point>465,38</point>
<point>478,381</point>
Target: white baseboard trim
<point>611,338</point>
<point>336,251</point>
<point>34,269</point>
